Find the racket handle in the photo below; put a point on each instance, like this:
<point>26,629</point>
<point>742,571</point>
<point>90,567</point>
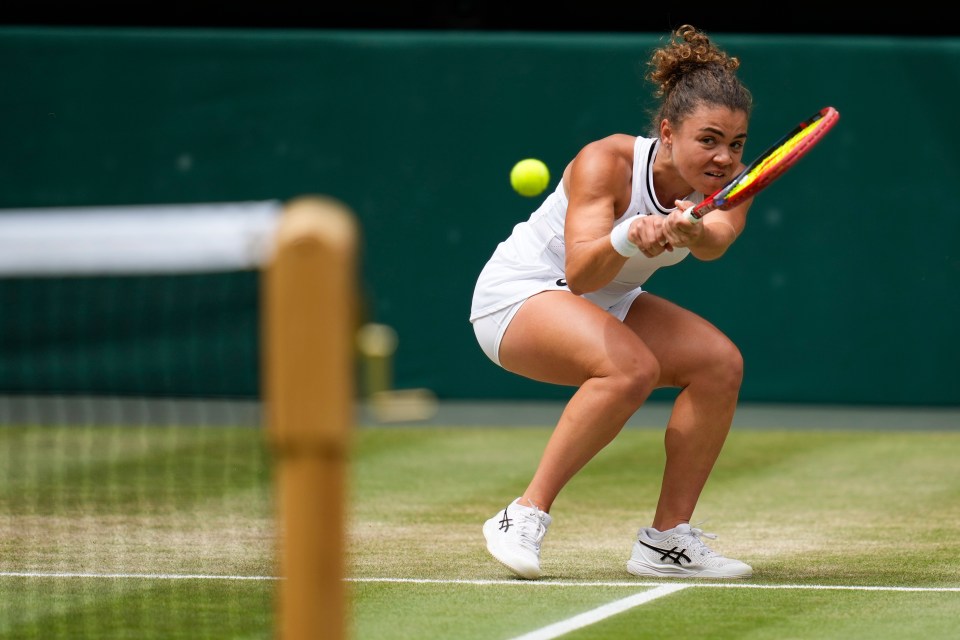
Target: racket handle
<point>690,215</point>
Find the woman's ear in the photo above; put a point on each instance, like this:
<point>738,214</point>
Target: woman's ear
<point>666,133</point>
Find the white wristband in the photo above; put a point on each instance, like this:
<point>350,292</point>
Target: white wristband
<point>618,238</point>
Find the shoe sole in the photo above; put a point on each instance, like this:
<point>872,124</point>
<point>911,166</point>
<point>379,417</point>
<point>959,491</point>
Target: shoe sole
<point>649,571</point>
<point>492,547</point>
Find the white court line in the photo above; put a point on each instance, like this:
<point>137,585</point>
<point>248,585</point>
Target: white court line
<point>549,632</point>
<point>564,627</point>
<point>715,585</point>
<point>148,576</point>
<point>514,582</point>
<point>660,589</point>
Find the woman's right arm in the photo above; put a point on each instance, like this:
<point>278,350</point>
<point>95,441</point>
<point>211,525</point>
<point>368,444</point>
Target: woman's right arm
<point>598,185</point>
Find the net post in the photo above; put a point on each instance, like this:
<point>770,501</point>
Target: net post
<point>308,388</point>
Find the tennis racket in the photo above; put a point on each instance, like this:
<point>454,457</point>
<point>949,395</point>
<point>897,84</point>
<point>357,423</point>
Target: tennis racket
<point>769,166</point>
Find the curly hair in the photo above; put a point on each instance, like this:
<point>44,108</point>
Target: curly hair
<point>690,70</point>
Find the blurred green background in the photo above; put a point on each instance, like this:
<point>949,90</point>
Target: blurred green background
<point>841,290</point>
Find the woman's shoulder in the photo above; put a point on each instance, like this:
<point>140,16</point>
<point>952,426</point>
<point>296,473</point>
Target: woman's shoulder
<point>613,142</point>
<point>605,161</point>
<point>618,146</point>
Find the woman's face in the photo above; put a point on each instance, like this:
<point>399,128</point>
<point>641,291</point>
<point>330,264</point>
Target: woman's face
<point>707,147</point>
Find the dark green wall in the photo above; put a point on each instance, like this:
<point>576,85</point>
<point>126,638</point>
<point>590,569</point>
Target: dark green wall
<point>842,289</point>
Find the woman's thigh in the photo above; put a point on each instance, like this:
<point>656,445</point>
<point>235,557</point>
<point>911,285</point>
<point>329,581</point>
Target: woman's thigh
<point>683,342</point>
<point>561,338</point>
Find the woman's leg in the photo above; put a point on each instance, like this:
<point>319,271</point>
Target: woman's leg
<point>708,368</point>
<point>560,338</point>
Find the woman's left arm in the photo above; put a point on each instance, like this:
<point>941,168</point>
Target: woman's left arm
<point>710,237</point>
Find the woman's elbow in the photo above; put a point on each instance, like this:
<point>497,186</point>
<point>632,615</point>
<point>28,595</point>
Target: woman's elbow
<point>580,284</point>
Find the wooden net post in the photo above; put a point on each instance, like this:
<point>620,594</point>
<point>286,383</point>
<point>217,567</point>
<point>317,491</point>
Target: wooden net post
<point>309,296</point>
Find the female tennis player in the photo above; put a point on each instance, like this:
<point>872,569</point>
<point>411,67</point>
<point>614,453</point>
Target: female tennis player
<point>561,301</point>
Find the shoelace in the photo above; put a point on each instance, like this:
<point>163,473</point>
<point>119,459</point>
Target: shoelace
<point>697,534</point>
<point>530,529</point>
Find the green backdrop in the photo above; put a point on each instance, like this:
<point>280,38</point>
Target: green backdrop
<point>843,289</point>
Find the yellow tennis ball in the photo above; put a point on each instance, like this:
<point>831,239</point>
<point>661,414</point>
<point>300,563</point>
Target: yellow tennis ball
<point>529,177</point>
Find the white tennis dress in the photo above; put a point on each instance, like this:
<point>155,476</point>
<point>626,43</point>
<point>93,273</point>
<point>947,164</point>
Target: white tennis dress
<point>531,260</point>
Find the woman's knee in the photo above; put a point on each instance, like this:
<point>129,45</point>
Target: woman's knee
<point>637,376</point>
<point>726,365</point>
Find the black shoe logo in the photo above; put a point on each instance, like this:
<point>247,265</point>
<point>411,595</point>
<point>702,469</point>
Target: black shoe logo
<point>673,554</point>
<point>505,522</point>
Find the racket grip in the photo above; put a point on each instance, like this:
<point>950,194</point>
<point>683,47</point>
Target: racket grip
<point>690,215</point>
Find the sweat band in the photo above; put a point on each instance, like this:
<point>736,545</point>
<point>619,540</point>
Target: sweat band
<point>618,238</point>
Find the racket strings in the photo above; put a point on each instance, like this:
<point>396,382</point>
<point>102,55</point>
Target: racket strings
<point>780,158</point>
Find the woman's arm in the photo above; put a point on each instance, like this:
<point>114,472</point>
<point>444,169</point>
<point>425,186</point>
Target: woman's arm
<point>598,184</point>
<point>709,238</point>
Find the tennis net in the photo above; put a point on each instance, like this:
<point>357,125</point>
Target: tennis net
<point>135,492</point>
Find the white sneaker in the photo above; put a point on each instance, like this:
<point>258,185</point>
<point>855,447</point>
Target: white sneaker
<point>514,536</point>
<point>680,553</point>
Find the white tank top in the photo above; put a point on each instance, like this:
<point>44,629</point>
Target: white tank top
<point>531,260</point>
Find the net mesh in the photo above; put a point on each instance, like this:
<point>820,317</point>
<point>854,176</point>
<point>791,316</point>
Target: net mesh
<point>134,477</point>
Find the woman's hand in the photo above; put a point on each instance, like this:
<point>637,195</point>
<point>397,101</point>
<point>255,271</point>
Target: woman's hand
<point>647,233</point>
<point>677,230</point>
